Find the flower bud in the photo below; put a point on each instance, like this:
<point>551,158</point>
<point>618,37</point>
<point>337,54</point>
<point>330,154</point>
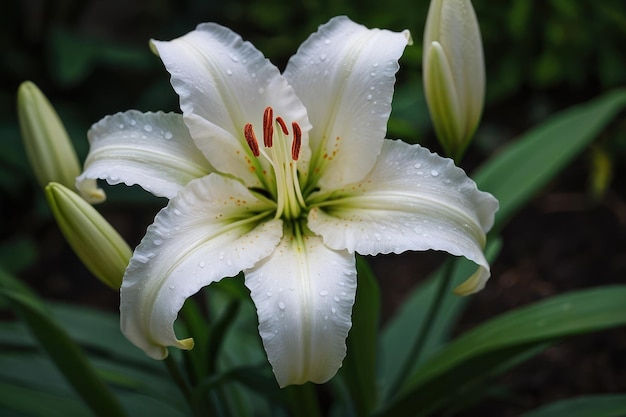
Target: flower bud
<point>47,143</point>
<point>101,249</point>
<point>454,73</point>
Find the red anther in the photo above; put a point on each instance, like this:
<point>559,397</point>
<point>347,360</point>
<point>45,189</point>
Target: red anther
<point>248,132</point>
<point>268,127</point>
<point>283,126</point>
<point>297,141</point>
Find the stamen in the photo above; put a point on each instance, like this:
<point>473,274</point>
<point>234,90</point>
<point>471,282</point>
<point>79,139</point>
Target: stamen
<point>248,132</point>
<point>297,141</point>
<point>268,127</point>
<point>283,126</point>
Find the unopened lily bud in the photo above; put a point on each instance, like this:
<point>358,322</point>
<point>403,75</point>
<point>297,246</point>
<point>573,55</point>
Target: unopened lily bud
<point>47,143</point>
<point>454,72</point>
<point>103,251</point>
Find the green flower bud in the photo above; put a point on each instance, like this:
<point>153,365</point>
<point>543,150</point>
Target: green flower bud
<point>47,143</point>
<point>103,251</point>
<point>454,73</point>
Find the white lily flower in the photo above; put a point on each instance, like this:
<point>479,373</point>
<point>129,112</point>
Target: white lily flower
<point>283,177</point>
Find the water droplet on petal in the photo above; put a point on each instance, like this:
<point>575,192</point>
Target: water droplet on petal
<point>434,173</point>
<point>261,90</point>
<point>269,293</point>
<point>417,166</point>
<point>229,262</point>
<point>336,298</point>
<point>323,293</point>
<point>168,135</point>
<point>369,96</point>
<point>157,242</point>
<point>172,286</point>
<point>281,305</point>
<point>147,128</point>
<point>229,72</point>
<point>333,310</point>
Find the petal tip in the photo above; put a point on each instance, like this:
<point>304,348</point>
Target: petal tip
<point>474,283</point>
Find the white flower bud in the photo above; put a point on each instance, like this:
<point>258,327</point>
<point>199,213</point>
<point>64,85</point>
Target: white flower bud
<point>101,249</point>
<point>454,72</point>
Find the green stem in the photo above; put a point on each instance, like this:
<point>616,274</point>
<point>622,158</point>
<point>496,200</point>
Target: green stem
<point>303,400</point>
<point>422,338</point>
<point>178,378</point>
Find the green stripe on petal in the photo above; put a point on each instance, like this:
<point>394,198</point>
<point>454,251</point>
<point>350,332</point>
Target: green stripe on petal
<point>153,150</point>
<point>304,294</point>
<point>345,74</point>
<point>213,228</point>
<point>412,200</point>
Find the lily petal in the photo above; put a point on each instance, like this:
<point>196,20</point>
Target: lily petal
<point>412,200</point>
<point>225,83</point>
<point>344,74</point>
<point>153,150</point>
<point>304,294</point>
<point>208,231</point>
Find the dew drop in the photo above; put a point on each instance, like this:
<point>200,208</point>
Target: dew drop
<point>333,310</point>
<point>417,166</point>
<point>261,90</point>
<point>177,212</point>
<point>336,298</point>
<point>323,293</point>
<point>327,41</point>
<point>369,96</point>
<point>147,128</point>
<point>157,242</point>
<point>372,74</point>
<point>172,286</point>
<point>121,125</point>
<point>221,256</point>
<point>323,57</point>
<point>133,122</point>
<point>434,173</point>
<point>141,258</point>
<point>269,293</point>
<point>168,135</point>
<point>202,264</point>
<point>229,72</point>
<point>234,58</point>
<point>281,305</point>
<point>229,262</point>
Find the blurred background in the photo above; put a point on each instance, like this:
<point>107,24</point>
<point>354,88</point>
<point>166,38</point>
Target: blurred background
<point>91,59</point>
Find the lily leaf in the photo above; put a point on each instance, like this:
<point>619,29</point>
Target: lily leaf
<point>564,315</point>
<point>402,331</point>
<point>608,405</point>
<point>68,357</point>
<point>359,369</point>
<point>525,166</point>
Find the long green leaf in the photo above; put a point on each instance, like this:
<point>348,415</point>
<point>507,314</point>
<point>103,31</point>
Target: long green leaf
<point>524,167</point>
<point>578,312</point>
<point>68,357</point>
<point>402,331</point>
<point>608,405</point>
<point>359,369</point>
<point>26,401</point>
